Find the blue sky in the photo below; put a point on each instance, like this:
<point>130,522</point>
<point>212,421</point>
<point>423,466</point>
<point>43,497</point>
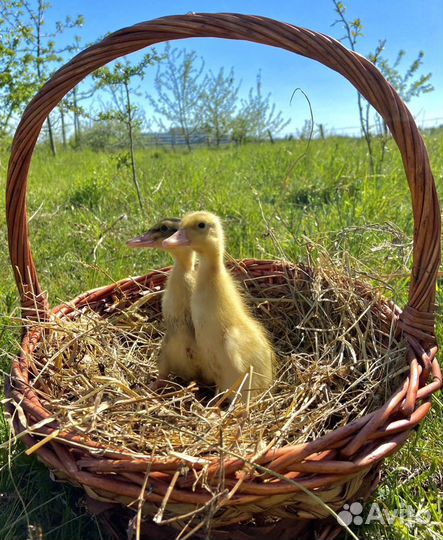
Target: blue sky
<point>411,25</point>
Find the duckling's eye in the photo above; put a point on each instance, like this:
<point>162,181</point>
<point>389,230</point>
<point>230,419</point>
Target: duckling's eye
<point>201,225</point>
<point>163,228</point>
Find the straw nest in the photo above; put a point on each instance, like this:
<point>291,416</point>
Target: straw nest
<point>338,359</point>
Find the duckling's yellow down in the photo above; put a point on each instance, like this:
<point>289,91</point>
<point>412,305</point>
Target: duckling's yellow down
<point>230,340</point>
<point>178,352</point>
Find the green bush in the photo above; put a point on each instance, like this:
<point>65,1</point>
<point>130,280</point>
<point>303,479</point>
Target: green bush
<point>88,193</point>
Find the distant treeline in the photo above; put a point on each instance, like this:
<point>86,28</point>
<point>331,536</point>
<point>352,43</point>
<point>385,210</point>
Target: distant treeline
<point>184,103</point>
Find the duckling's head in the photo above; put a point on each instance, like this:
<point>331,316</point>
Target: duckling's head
<point>202,231</point>
<point>154,237</point>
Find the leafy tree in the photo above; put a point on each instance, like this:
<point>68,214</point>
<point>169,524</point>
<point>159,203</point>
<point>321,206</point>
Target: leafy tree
<point>240,129</point>
<point>408,84</point>
<point>180,88</point>
<point>72,102</point>
<point>193,102</point>
<point>354,30</point>
<point>257,117</point>
<point>107,135</point>
<point>36,53</point>
<point>405,84</point>
<point>16,82</point>
<point>72,105</point>
<point>305,133</point>
<point>117,81</point>
<point>219,103</point>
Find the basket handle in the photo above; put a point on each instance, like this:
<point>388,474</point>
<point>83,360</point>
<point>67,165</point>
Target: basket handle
<point>358,70</point>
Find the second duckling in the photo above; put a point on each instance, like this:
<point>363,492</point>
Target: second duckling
<point>178,353</point>
<point>231,341</point>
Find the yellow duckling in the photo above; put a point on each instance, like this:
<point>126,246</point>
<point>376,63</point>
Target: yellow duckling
<point>230,340</point>
<point>178,353</point>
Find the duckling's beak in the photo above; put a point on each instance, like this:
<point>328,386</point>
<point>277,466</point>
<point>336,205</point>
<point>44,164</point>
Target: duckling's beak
<point>144,241</point>
<point>179,238</point>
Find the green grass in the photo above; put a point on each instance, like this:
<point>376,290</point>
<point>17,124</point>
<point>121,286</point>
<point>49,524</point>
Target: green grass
<point>321,195</point>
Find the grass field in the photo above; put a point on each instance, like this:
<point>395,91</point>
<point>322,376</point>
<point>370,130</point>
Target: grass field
<point>281,200</point>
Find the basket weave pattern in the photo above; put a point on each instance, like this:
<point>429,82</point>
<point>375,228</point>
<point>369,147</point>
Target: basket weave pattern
<point>339,465</point>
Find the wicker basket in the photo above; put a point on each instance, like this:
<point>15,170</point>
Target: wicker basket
<point>356,449</point>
